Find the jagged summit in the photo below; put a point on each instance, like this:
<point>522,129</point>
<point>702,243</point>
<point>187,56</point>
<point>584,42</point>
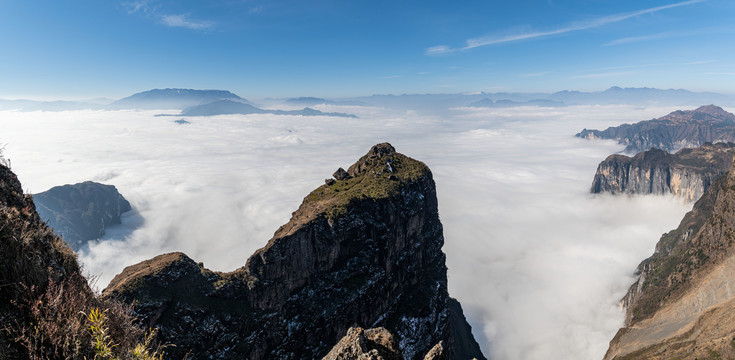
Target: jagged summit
<point>364,251</point>
<point>677,130</point>
<point>378,174</point>
<point>707,114</point>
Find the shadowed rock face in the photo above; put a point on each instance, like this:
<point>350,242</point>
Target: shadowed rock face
<point>677,130</point>
<point>32,257</point>
<point>362,251</point>
<point>683,303</point>
<point>81,212</point>
<point>686,174</point>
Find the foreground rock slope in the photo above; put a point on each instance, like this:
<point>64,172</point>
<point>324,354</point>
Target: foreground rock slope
<point>677,130</point>
<point>363,250</point>
<point>686,174</point>
<point>683,304</point>
<point>81,212</point>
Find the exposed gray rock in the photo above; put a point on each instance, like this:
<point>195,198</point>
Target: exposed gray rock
<point>686,174</point>
<point>341,174</point>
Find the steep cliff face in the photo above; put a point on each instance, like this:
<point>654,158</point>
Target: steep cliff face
<point>677,130</point>
<point>686,174</point>
<point>81,212</point>
<point>362,250</point>
<point>682,304</point>
<point>32,259</point>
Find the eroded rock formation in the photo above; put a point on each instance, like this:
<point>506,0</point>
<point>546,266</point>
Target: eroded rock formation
<point>686,174</point>
<point>683,303</point>
<point>363,250</point>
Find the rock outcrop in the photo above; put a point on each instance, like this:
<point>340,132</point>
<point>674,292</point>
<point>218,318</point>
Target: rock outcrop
<point>32,259</point>
<point>371,344</point>
<point>363,251</point>
<point>683,302</point>
<point>677,130</point>
<point>81,212</point>
<point>686,174</point>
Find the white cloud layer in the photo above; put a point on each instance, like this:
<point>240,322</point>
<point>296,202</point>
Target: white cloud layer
<point>537,262</point>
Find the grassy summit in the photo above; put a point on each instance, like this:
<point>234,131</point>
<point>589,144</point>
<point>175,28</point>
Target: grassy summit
<point>378,174</point>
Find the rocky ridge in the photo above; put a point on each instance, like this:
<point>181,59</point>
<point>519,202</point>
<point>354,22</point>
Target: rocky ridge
<point>81,212</point>
<point>361,251</point>
<point>677,130</point>
<point>686,174</point>
<point>681,306</point>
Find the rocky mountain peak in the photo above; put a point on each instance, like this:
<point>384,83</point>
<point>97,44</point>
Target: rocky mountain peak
<point>361,251</point>
<point>677,130</point>
<point>711,114</point>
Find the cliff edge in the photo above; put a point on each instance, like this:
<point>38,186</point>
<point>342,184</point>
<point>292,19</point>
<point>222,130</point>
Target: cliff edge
<point>363,250</point>
<point>686,174</point>
<point>683,303</point>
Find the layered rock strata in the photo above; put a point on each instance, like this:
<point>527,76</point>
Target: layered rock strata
<point>677,130</point>
<point>686,174</point>
<point>683,302</point>
<point>361,251</point>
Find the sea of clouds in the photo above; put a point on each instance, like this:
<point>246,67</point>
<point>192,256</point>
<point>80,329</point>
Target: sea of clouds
<point>538,263</point>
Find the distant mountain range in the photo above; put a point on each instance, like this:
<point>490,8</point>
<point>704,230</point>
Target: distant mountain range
<point>169,99</point>
<point>489,103</point>
<point>228,107</point>
<point>313,101</point>
<point>679,129</point>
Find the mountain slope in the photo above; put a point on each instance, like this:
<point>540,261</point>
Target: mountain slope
<point>679,129</point>
<point>681,305</point>
<point>159,99</point>
<point>362,250</point>
<point>686,174</point>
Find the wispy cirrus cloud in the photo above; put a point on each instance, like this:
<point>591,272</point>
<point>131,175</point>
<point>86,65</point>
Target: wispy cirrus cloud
<point>636,39</point>
<point>603,74</point>
<point>670,34</point>
<point>185,22</point>
<point>146,9</point>
<point>572,27</point>
<point>536,74</point>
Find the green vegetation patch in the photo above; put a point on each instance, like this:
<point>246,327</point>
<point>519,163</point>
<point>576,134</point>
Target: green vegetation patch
<point>371,178</point>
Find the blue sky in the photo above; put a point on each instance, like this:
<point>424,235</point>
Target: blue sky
<point>333,48</point>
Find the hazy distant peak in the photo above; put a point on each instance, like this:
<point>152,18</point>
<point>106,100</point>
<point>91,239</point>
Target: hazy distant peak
<point>173,99</point>
<point>704,114</point>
